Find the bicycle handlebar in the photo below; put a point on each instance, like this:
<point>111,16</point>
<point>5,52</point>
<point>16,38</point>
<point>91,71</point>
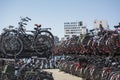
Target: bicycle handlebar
<point>28,18</point>
<point>23,21</point>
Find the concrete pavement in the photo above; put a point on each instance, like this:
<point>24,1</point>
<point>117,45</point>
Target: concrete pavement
<point>60,75</point>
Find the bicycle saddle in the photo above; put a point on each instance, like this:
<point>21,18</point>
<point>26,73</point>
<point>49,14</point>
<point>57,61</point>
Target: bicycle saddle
<point>38,25</point>
<point>92,30</point>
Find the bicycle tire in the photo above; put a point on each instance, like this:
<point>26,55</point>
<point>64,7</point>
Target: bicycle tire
<point>111,45</point>
<point>42,43</point>
<point>47,33</point>
<point>49,36</point>
<point>13,40</point>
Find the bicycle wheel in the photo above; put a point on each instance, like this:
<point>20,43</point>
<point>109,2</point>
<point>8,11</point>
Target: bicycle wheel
<point>42,43</point>
<point>5,77</point>
<point>11,46</point>
<point>112,46</point>
<point>49,37</point>
<point>32,75</point>
<point>47,33</point>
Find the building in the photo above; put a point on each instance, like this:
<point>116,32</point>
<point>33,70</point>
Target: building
<point>98,23</point>
<point>74,29</point>
<point>56,40</point>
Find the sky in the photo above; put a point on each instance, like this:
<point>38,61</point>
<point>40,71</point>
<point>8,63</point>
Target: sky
<point>53,13</point>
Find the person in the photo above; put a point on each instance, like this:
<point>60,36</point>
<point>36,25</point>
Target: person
<point>101,27</point>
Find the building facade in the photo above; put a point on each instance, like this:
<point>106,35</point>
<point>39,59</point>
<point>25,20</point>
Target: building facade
<point>56,40</point>
<point>74,29</point>
<point>98,23</point>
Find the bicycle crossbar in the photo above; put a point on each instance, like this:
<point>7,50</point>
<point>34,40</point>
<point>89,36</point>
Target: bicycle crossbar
<point>41,29</point>
<point>45,28</point>
<point>35,57</point>
<point>7,59</point>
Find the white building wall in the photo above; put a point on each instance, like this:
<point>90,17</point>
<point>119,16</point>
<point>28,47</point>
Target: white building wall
<point>97,23</point>
<point>74,29</point>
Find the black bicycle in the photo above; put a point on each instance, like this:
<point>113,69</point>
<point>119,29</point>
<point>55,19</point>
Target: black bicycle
<point>14,41</point>
<point>11,44</point>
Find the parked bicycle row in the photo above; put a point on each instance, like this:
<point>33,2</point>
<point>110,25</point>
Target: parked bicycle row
<point>19,69</point>
<point>97,42</point>
<point>16,40</point>
<point>92,67</point>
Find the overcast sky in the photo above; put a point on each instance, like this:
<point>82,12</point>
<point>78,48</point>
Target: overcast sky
<point>53,13</point>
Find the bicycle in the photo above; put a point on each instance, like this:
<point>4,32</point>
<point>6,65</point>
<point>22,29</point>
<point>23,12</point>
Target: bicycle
<point>11,44</point>
<point>114,41</point>
<point>40,41</point>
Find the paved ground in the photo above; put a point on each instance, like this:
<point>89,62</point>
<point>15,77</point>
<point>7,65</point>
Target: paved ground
<point>59,75</point>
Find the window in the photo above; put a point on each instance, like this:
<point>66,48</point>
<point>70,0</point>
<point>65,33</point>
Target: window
<point>67,30</point>
<point>71,32</point>
<point>80,23</point>
<point>95,22</point>
<point>66,35</point>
